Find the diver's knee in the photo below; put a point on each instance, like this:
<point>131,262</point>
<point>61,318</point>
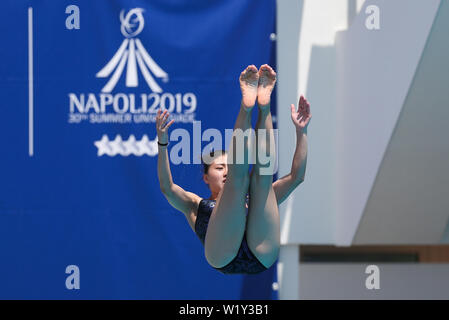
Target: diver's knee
<point>270,258</point>
<point>218,260</point>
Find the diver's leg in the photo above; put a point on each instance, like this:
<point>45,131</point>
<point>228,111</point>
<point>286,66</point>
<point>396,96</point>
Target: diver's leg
<point>228,218</point>
<point>263,226</point>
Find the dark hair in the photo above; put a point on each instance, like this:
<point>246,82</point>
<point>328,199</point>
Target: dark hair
<point>212,155</point>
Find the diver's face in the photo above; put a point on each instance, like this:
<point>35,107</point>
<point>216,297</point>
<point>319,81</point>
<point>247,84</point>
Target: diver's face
<point>216,175</point>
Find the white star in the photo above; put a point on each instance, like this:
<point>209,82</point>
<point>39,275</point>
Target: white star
<point>103,146</point>
<point>117,146</point>
<point>147,146</point>
<point>132,147</point>
<point>153,147</point>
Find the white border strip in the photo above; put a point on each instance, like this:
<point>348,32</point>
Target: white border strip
<point>30,82</point>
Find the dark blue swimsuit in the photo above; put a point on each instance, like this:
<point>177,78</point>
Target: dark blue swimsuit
<point>245,261</point>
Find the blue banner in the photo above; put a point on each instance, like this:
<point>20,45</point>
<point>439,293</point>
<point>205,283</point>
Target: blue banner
<point>81,82</point>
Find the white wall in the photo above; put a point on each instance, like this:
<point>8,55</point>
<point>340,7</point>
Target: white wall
<point>409,201</point>
<point>306,32</point>
<point>288,274</point>
<point>397,281</point>
<point>357,82</point>
<point>306,65</point>
<point>375,69</point>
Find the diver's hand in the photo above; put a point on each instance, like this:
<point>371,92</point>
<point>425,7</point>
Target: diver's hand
<point>162,126</point>
<point>302,116</point>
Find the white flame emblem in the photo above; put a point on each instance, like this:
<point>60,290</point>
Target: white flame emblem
<point>128,24</point>
<point>130,51</point>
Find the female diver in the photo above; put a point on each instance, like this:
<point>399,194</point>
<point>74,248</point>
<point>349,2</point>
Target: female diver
<point>237,242</point>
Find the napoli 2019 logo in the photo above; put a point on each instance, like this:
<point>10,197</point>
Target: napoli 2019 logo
<point>132,25</point>
<point>133,63</point>
<point>136,105</point>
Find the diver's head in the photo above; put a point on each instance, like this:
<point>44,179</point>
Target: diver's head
<point>215,170</point>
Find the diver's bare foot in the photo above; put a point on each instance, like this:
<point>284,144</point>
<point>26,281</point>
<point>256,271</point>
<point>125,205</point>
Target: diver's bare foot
<point>267,80</point>
<point>249,80</point>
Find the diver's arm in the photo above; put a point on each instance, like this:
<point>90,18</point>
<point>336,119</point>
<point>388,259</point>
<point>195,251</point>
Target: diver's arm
<point>180,199</point>
<point>285,185</point>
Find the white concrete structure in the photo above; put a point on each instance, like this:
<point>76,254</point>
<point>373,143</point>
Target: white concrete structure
<point>396,281</point>
<point>378,145</point>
